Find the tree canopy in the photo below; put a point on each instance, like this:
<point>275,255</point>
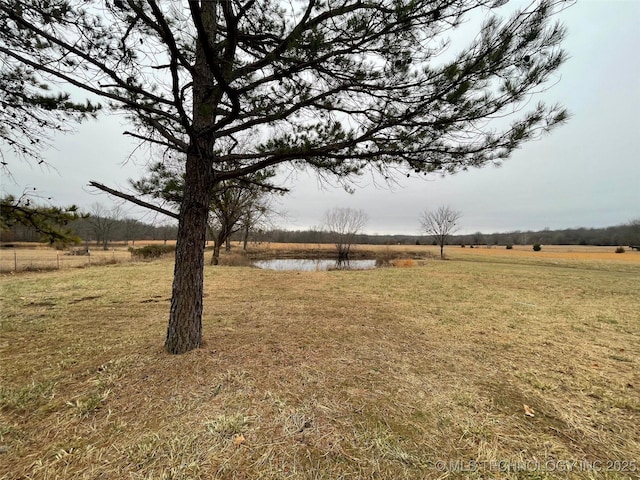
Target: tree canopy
<point>341,86</point>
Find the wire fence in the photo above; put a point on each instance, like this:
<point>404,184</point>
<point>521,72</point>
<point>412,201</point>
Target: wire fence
<point>22,260</point>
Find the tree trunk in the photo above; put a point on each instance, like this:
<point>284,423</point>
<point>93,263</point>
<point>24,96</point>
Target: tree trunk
<point>227,244</point>
<point>442,251</point>
<point>245,238</point>
<point>184,332</point>
<point>215,257</point>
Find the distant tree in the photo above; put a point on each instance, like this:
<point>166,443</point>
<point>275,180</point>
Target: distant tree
<point>167,232</point>
<point>440,224</point>
<point>131,230</point>
<point>257,218</point>
<point>478,238</point>
<point>229,204</point>
<point>343,224</point>
<point>340,86</point>
<point>102,222</point>
<point>51,223</point>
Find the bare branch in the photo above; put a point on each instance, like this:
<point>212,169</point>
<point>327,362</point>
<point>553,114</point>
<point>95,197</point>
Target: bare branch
<point>132,199</point>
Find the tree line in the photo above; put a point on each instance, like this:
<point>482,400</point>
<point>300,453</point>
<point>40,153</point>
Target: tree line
<point>625,234</point>
<point>94,231</point>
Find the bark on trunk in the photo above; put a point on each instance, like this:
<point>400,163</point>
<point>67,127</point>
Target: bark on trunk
<point>184,332</point>
<point>245,239</point>
<point>215,257</point>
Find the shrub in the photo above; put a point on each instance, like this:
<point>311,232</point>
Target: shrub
<point>537,247</point>
<point>509,247</point>
<point>235,260</point>
<point>384,258</point>
<point>403,263</point>
<point>152,251</point>
<point>620,250</point>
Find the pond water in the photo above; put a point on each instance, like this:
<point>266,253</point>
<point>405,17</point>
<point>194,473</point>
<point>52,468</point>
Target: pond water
<point>307,265</point>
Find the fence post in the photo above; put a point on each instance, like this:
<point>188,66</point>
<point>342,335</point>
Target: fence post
<point>15,261</point>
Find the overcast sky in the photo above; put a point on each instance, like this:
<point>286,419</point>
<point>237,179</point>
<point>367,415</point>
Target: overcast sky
<point>586,173</point>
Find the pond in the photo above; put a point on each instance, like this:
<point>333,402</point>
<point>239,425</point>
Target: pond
<point>309,265</point>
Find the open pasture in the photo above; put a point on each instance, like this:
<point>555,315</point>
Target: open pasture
<point>494,364</point>
<point>548,254</point>
<point>42,259</point>
<point>38,257</point>
<point>34,257</point>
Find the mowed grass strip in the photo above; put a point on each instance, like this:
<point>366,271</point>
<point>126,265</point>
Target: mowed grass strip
<point>345,374</point>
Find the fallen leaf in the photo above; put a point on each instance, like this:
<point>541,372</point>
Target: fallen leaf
<point>528,411</point>
<point>238,440</point>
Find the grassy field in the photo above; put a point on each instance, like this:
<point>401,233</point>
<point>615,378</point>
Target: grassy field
<point>493,364</point>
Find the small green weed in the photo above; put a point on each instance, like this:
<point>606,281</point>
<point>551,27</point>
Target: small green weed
<point>28,397</point>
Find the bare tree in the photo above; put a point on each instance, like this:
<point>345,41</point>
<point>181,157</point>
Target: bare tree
<point>234,207</point>
<point>132,228</point>
<point>227,207</point>
<point>257,217</point>
<point>233,203</point>
<point>343,224</point>
<point>102,221</point>
<point>440,224</point>
<point>477,238</point>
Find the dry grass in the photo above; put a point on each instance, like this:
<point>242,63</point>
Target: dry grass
<point>34,259</point>
<point>40,257</point>
<point>363,374</point>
